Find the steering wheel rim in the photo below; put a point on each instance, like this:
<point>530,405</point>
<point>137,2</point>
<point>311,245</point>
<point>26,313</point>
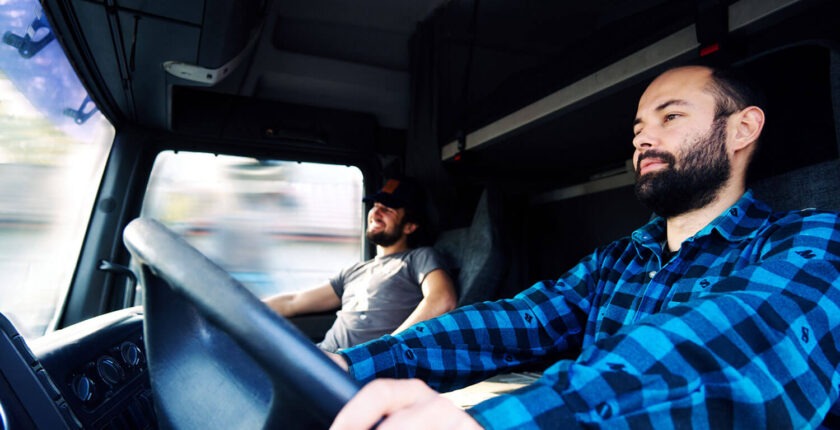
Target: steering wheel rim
<point>203,326</point>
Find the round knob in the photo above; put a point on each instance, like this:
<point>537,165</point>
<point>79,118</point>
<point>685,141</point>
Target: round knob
<point>109,370</point>
<point>83,387</point>
<point>130,353</point>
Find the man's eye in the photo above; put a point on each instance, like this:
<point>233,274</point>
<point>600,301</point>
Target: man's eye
<point>671,116</point>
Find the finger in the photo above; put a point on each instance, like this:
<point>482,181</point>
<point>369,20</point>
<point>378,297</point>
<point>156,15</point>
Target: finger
<point>380,398</point>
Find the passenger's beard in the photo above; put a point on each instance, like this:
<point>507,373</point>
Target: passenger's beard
<point>384,237</point>
<point>704,170</point>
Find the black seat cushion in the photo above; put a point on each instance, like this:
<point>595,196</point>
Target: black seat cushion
<point>815,186</point>
<point>474,254</point>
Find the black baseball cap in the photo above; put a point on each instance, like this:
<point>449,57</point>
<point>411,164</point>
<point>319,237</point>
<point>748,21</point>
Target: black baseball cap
<point>399,193</point>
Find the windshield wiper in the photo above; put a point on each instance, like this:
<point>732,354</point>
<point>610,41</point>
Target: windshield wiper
<point>26,45</point>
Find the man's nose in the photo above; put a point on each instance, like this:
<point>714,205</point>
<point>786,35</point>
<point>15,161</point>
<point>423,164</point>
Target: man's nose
<point>644,139</point>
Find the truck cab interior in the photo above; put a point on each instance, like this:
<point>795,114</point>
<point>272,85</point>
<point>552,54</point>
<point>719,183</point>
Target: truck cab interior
<point>515,116</point>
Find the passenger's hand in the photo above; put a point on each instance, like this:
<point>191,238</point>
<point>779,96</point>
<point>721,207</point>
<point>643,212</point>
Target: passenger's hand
<point>404,405</point>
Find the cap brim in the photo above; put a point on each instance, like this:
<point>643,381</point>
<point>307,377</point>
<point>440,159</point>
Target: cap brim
<point>386,199</point>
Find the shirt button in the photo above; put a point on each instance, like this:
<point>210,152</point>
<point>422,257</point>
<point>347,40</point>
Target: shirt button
<point>604,410</point>
<point>651,274</point>
<point>409,354</point>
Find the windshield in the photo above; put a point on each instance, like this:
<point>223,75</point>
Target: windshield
<point>53,146</point>
<point>277,226</point>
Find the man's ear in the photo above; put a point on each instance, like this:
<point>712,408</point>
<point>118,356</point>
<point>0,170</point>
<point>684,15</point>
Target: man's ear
<point>409,228</point>
<point>748,124</point>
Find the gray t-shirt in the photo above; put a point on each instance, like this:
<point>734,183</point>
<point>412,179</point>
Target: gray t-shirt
<point>378,295</point>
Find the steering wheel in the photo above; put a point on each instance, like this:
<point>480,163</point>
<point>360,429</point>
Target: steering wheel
<point>218,357</point>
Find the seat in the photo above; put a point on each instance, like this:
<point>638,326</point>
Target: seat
<point>475,254</point>
<point>815,186</point>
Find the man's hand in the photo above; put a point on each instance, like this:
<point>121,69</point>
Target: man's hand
<point>401,404</point>
<point>339,360</point>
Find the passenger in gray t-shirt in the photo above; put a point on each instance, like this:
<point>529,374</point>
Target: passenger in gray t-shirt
<point>377,296</point>
<point>403,285</point>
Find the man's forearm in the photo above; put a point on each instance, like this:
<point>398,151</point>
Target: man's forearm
<point>427,308</point>
<point>281,304</point>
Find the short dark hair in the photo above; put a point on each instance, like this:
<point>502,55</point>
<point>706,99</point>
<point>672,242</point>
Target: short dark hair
<point>422,235</point>
<point>733,91</point>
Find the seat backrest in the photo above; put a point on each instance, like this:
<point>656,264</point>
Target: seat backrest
<point>815,186</point>
<point>475,254</point>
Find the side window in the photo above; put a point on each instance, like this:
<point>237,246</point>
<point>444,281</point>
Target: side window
<point>53,147</point>
<point>276,226</point>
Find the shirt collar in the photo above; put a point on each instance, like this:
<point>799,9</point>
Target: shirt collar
<point>739,222</point>
<point>651,235</point>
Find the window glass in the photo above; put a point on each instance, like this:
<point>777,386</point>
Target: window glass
<point>276,226</point>
<point>53,146</point>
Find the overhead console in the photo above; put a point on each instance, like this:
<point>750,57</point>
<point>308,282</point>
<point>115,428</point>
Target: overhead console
<point>137,71</point>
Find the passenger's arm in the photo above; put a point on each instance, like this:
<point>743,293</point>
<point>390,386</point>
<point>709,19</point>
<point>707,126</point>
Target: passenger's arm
<point>318,299</point>
<point>438,298</point>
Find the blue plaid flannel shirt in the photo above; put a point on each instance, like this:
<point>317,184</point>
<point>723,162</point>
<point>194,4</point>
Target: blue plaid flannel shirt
<point>739,329</point>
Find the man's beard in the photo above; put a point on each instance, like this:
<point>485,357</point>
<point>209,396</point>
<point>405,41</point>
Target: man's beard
<point>704,170</point>
<point>385,238</point>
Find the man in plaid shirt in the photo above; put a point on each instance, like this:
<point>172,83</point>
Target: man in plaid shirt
<point>717,314</point>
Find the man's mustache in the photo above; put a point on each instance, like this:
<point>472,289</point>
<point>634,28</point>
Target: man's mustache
<point>666,157</point>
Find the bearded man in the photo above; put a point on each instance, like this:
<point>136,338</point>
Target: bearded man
<point>404,284</point>
<point>718,313</point>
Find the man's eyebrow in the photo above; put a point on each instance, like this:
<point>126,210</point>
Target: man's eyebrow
<point>672,102</point>
<point>663,106</point>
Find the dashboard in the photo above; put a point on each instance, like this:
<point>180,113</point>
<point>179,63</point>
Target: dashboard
<point>92,375</point>
<point>28,397</point>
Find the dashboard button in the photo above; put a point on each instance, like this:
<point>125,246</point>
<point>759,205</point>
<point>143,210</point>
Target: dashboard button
<point>83,387</point>
<point>130,353</point>
<point>109,370</point>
